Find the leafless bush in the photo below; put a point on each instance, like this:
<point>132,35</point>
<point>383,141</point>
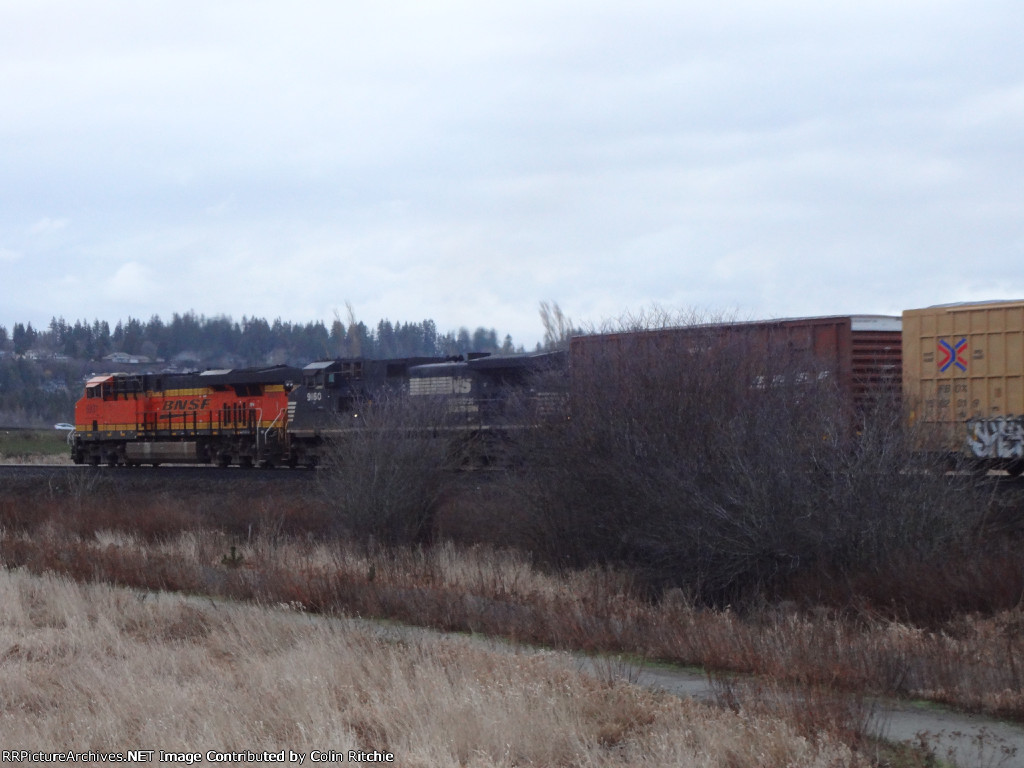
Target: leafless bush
<point>385,477</point>
<point>725,465</point>
<point>558,328</point>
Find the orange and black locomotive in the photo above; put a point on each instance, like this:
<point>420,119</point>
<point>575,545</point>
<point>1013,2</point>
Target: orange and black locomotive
<point>216,417</point>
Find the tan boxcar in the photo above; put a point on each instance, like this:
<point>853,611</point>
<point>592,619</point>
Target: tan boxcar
<point>963,378</point>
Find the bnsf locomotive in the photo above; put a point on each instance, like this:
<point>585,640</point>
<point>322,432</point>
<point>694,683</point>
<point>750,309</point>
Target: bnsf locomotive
<point>214,417</point>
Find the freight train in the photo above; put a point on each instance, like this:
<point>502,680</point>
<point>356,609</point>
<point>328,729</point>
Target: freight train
<point>289,416</point>
<point>958,368</point>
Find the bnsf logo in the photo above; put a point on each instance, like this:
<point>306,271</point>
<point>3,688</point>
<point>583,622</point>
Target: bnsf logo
<point>192,404</point>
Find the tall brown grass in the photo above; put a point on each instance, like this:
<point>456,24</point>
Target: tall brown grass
<point>93,667</point>
<point>975,663</point>
<point>277,544</point>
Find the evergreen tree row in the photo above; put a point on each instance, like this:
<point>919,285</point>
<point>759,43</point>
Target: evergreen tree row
<point>252,341</point>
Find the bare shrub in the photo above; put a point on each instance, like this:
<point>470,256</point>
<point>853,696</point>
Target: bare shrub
<point>385,477</point>
<point>558,328</point>
<point>726,464</point>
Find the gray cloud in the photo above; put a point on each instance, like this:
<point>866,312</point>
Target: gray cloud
<point>463,162</point>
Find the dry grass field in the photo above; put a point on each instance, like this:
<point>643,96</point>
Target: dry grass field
<point>974,663</point>
<point>96,667</point>
<point>87,663</point>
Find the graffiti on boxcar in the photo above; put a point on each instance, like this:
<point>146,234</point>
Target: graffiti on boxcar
<point>998,438</point>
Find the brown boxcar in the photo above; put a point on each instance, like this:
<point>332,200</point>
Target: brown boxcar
<point>964,379</point>
<point>861,352</point>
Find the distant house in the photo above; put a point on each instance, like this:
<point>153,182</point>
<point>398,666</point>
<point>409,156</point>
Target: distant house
<point>43,354</point>
<point>123,358</point>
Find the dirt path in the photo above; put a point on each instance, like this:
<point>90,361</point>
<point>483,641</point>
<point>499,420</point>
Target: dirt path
<point>970,740</point>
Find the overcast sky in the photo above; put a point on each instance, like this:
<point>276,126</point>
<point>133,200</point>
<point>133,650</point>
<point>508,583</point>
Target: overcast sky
<point>463,161</point>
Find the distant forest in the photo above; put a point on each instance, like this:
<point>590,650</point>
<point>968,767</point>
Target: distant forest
<point>253,341</point>
<point>41,370</point>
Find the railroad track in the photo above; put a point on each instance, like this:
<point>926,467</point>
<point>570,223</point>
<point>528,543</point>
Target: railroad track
<point>177,474</point>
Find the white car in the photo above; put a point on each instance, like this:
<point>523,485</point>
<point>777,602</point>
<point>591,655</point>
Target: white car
<point>65,426</point>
